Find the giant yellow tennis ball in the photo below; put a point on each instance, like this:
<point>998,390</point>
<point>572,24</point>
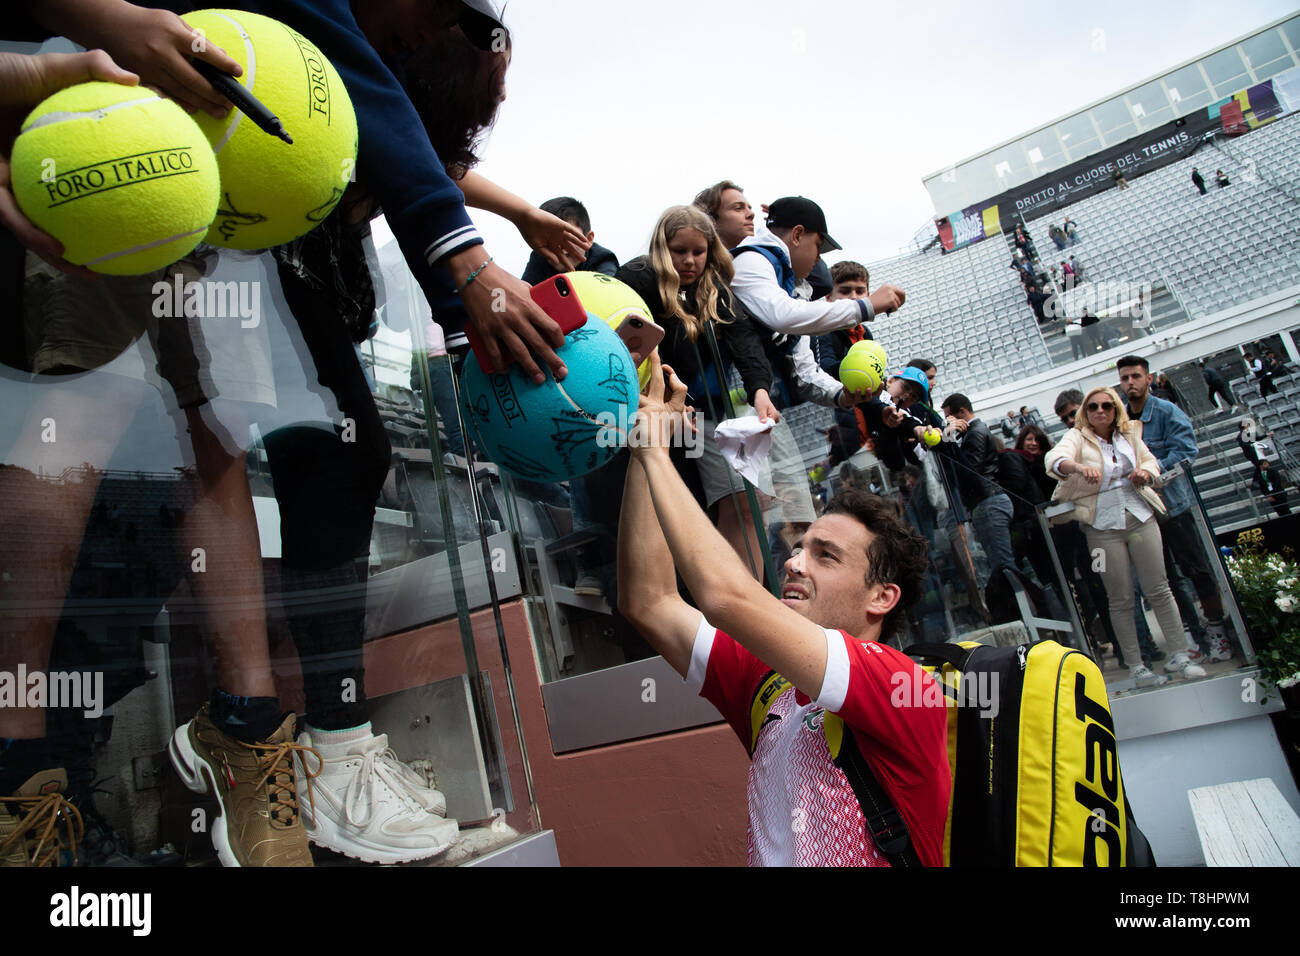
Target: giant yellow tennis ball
<point>863,367</point>
<point>273,191</point>
<point>120,176</point>
<point>613,301</point>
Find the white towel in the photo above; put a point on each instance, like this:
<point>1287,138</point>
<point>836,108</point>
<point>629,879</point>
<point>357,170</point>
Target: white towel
<point>745,443</point>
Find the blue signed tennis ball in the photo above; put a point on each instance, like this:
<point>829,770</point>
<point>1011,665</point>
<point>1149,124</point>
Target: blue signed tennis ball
<point>556,430</point>
<point>613,301</point>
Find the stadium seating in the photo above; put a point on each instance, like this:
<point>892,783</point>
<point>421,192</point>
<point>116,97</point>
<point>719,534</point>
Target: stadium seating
<point>1227,247</point>
<point>966,310</point>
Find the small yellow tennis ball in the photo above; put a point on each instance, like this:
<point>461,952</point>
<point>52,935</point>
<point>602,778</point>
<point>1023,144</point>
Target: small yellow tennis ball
<point>613,301</point>
<point>120,176</point>
<point>273,191</point>
<point>933,436</point>
<point>863,367</point>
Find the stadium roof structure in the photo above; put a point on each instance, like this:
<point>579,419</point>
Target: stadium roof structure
<point>1172,93</point>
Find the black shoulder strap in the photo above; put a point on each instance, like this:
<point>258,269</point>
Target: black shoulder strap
<point>955,654</point>
<point>884,823</point>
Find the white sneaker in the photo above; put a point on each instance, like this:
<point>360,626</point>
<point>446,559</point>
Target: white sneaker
<point>1192,649</point>
<point>1182,665</point>
<point>420,786</point>
<point>371,806</point>
<point>1143,676</point>
<point>1220,648</point>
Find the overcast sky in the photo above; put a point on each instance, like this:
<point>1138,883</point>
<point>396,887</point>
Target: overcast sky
<point>633,107</point>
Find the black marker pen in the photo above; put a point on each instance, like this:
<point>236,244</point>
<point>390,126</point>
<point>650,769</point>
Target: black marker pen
<point>233,90</point>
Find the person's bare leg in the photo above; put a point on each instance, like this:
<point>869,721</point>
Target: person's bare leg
<point>47,520</point>
<point>229,587</point>
<point>736,524</point>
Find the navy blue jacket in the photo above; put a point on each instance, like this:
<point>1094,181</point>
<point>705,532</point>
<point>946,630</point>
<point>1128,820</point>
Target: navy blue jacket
<point>599,259</point>
<point>395,160</point>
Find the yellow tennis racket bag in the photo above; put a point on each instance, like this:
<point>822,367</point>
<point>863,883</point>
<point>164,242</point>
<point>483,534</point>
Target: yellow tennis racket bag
<point>1035,762</point>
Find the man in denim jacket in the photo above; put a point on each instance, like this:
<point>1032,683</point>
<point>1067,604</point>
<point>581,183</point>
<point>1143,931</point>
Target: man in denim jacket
<point>1167,431</point>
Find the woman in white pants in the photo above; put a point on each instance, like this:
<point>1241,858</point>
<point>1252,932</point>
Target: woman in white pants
<point>1106,470</point>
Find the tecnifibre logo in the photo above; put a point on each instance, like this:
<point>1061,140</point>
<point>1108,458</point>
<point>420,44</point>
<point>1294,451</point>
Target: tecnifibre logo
<point>76,909</point>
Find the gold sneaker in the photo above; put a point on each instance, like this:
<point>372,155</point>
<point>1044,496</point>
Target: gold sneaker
<point>259,823</point>
<point>37,823</point>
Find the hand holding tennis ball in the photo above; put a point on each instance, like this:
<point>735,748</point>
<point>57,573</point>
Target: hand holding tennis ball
<point>932,437</point>
<point>120,176</point>
<point>156,44</point>
<point>273,192</point>
<point>24,82</point>
<point>863,367</point>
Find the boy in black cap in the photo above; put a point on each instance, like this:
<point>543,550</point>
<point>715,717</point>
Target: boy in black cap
<point>771,282</point>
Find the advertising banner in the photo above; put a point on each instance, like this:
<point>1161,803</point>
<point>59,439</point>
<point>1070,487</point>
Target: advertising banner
<point>1243,111</point>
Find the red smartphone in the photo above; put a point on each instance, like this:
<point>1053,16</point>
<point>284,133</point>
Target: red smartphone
<point>557,298</point>
<point>641,336</point>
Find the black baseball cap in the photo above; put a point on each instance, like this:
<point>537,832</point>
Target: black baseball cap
<point>790,211</point>
<point>479,21</point>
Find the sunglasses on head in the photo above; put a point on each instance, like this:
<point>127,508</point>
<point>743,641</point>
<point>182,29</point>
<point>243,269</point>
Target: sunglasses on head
<point>1100,406</point>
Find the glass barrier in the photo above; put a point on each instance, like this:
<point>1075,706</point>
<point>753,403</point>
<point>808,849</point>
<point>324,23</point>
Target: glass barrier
<point>238,549</point>
<point>1148,581</point>
<point>991,578</point>
<point>591,659</point>
<point>569,529</point>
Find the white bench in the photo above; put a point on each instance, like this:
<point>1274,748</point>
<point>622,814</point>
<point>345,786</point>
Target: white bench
<point>1246,823</point>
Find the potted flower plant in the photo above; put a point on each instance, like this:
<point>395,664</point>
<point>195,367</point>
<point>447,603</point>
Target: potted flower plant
<point>1269,587</point>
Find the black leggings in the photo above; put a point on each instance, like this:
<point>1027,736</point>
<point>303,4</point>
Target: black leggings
<point>326,489</point>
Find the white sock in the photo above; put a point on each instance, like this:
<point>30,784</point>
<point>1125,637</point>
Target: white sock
<point>334,737</point>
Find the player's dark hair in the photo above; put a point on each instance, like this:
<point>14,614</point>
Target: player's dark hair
<point>1128,361</point>
<point>897,554</point>
<point>568,209</point>
<point>925,365</point>
<point>456,89</point>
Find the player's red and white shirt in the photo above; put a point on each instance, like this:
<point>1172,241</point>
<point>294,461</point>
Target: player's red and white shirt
<point>802,809</point>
